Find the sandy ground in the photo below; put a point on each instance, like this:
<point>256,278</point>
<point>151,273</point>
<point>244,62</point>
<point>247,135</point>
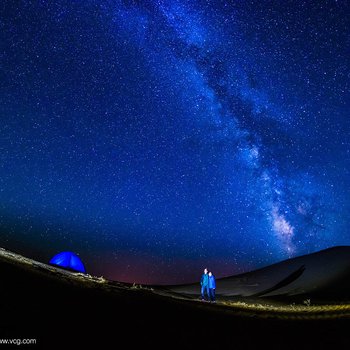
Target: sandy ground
<point>61,308</point>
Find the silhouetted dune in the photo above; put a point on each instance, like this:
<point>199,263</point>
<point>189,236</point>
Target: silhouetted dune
<point>66,310</point>
<point>325,275</point>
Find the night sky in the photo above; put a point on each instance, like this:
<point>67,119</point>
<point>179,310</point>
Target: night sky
<point>156,138</point>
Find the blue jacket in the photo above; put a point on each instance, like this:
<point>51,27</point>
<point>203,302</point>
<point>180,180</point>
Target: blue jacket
<point>212,283</point>
<point>204,279</point>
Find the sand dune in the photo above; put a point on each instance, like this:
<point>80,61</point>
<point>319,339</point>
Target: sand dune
<point>325,274</point>
<point>62,309</point>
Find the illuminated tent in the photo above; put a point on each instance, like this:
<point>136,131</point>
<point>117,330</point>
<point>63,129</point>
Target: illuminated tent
<point>68,260</point>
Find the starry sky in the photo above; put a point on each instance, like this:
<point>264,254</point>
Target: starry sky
<point>156,138</point>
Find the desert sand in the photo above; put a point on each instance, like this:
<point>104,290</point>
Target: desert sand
<point>62,309</point>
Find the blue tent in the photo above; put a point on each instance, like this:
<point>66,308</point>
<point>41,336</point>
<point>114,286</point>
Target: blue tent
<point>68,260</point>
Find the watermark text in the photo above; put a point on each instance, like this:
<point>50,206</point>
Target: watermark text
<point>17,341</point>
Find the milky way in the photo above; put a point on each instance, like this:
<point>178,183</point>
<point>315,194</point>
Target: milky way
<point>154,138</point>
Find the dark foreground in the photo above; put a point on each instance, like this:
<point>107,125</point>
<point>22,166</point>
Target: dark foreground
<point>64,313</point>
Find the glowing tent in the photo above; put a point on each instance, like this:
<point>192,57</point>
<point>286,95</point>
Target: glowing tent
<point>68,260</point>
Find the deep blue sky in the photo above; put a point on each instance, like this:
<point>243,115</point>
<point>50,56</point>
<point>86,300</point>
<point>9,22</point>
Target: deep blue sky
<point>155,138</point>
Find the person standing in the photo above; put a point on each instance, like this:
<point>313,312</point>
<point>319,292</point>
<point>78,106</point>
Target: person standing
<point>205,285</point>
<point>212,287</point>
